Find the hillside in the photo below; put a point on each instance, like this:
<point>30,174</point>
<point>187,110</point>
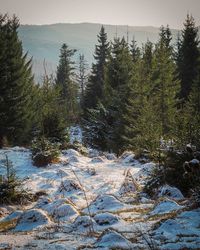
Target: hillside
<point>95,201</point>
<point>44,41</point>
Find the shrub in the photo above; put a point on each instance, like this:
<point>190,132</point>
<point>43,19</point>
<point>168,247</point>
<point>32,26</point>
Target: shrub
<point>44,152</point>
<point>11,191</point>
<point>171,170</point>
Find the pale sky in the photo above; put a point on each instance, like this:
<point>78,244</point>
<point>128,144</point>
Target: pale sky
<point>116,12</point>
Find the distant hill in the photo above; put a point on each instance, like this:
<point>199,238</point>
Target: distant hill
<point>44,41</point>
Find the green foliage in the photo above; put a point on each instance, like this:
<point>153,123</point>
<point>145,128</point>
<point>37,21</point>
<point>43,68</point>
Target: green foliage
<point>51,115</point>
<point>44,152</point>
<point>68,89</point>
<point>96,82</point>
<point>171,170</point>
<point>11,190</point>
<point>187,57</point>
<point>96,127</point>
<point>17,90</point>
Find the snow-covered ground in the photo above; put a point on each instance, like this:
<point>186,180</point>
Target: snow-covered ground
<point>95,203</point>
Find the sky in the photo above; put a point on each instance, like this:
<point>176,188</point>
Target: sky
<point>116,12</point>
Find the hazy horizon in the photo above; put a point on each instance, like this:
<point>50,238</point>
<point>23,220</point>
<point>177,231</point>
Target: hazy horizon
<point>153,13</point>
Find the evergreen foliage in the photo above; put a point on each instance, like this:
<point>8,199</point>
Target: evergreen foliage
<point>187,57</point>
<point>96,82</point>
<point>11,190</point>
<point>66,84</point>
<point>17,97</point>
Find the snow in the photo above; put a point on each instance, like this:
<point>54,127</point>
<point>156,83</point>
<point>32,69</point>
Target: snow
<point>60,210</point>
<point>127,157</point>
<point>105,203</point>
<point>75,134</point>
<point>32,219</point>
<point>166,206</point>
<point>170,192</point>
<point>180,232</point>
<point>116,204</point>
<point>113,240</point>
<point>106,219</point>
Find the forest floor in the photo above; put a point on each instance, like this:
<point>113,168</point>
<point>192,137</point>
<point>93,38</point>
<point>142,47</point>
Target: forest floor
<point>95,202</point>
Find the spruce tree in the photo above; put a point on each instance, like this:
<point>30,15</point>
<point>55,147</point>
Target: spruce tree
<point>138,99</point>
<point>187,60</point>
<point>165,86</point>
<point>118,84</point>
<point>66,84</point>
<point>96,82</point>
<point>16,85</point>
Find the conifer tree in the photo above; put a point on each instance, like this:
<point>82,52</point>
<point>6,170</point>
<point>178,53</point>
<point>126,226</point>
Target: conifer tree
<point>138,99</point>
<point>188,120</point>
<point>118,83</point>
<point>187,60</point>
<point>16,85</point>
<point>164,84</point>
<point>52,124</point>
<point>96,82</point>
<point>66,84</point>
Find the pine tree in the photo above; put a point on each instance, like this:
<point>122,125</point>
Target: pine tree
<point>187,60</point>
<point>66,84</point>
<point>16,85</point>
<point>138,99</point>
<point>118,83</point>
<point>96,82</point>
<point>187,125</point>
<point>164,84</point>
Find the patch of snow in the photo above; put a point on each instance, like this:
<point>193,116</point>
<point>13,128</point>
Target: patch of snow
<point>106,219</point>
<point>75,134</point>
<point>60,209</point>
<point>127,157</point>
<point>111,156</point>
<point>171,192</point>
<point>165,207</point>
<point>144,172</point>
<point>31,220</point>
<point>106,203</point>
<point>93,153</point>
<point>69,185</point>
<point>113,240</point>
<point>97,159</point>
<point>71,152</point>
<point>181,231</point>
<point>84,222</point>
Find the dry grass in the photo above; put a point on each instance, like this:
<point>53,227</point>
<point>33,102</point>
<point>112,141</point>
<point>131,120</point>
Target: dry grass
<point>7,225</point>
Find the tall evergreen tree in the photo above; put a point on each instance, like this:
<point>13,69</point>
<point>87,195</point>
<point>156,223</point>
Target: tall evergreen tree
<point>16,85</point>
<point>137,99</point>
<point>118,84</point>
<point>187,60</point>
<point>96,82</point>
<point>66,84</point>
<point>164,84</point>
